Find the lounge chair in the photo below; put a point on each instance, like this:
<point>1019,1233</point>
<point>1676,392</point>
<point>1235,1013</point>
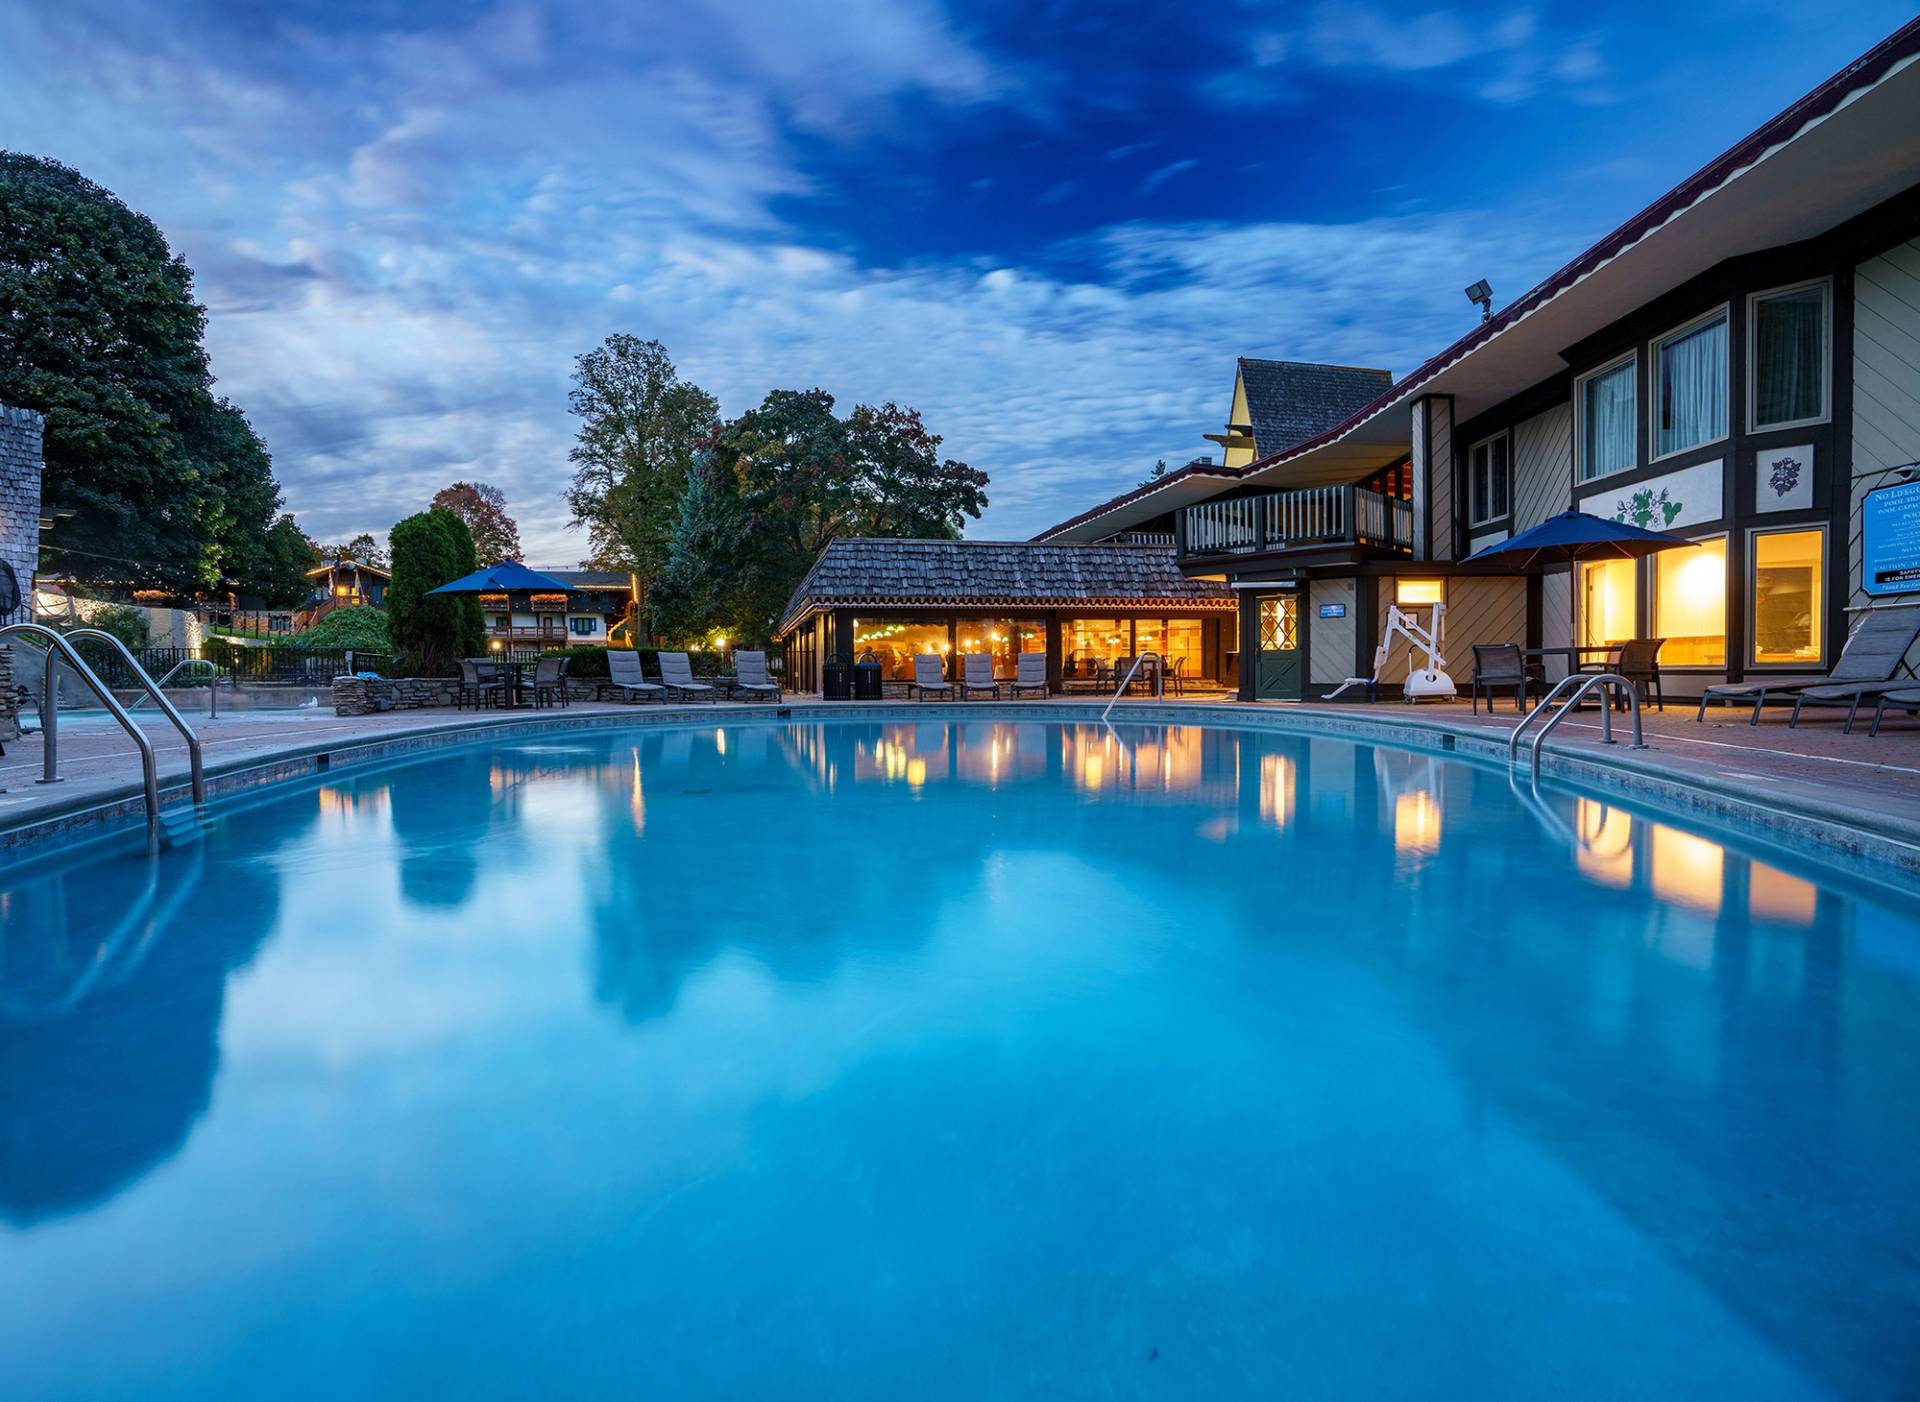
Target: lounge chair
<point>1496,668</point>
<point>627,674</point>
<point>1907,699</point>
<point>1032,674</point>
<point>976,675</point>
<point>929,677</point>
<point>751,679</point>
<point>676,675</point>
<point>478,689</point>
<point>550,681</point>
<point>1867,663</point>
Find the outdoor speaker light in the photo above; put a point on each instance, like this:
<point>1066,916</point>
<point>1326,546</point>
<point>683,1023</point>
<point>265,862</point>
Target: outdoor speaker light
<point>1481,295</point>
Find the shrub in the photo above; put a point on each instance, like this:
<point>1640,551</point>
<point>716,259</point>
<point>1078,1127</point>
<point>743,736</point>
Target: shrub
<point>587,662</point>
<point>125,622</point>
<point>360,627</point>
<point>433,631</point>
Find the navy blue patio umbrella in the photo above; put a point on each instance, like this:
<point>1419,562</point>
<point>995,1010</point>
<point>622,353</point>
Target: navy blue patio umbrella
<point>1572,536</point>
<point>507,577</point>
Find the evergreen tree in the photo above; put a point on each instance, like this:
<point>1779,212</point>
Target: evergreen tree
<point>434,630</point>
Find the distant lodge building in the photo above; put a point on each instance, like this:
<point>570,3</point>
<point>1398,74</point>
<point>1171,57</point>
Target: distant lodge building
<point>593,613</point>
<point>1085,606</point>
<point>1738,364</point>
<point>346,584</point>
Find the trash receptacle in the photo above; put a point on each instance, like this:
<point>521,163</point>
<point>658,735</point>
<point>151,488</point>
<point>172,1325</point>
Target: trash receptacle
<point>866,680</point>
<point>835,684</point>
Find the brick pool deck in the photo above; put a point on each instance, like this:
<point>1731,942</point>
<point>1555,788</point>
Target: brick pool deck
<point>1810,783</point>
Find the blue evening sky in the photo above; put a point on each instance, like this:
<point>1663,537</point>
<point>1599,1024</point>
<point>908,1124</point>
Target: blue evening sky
<point>1049,226</point>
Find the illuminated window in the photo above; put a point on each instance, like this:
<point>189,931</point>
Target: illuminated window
<point>1002,639</point>
<point>1690,386</point>
<point>1184,647</point>
<point>1419,591</point>
<point>1690,604</point>
<point>1087,642</point>
<point>1609,602</point>
<point>895,642</point>
<point>1788,597</point>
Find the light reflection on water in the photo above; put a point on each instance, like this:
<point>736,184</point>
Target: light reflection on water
<point>1218,1017</point>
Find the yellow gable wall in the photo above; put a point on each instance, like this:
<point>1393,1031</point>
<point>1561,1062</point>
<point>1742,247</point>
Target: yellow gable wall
<point>1238,457</point>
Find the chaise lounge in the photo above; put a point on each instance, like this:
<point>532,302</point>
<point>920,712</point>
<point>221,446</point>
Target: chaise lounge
<point>929,678</point>
<point>676,675</point>
<point>750,679</point>
<point>1906,699</point>
<point>626,672</point>
<point>1866,667</point>
<point>976,675</point>
<point>1032,675</point>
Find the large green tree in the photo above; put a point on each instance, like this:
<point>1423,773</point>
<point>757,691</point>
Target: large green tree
<point>784,479</point>
<point>641,427</point>
<point>99,330</point>
<point>434,631</point>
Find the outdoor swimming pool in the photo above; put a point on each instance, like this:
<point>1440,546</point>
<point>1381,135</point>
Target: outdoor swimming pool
<point>952,1059</point>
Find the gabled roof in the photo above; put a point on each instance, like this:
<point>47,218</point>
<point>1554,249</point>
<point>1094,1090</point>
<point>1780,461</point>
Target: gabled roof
<point>1289,401</point>
<point>328,566</point>
<point>592,579</point>
<point>945,574</point>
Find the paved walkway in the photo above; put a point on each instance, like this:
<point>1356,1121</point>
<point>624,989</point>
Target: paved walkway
<point>1813,770</point>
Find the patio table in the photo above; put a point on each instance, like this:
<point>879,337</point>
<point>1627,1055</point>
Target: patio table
<point>513,670</point>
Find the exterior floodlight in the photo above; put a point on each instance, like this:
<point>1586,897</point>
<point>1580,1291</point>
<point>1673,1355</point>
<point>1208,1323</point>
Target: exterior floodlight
<point>1481,295</point>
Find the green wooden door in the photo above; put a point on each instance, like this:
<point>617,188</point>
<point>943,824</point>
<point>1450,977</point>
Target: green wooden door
<point>1278,673</point>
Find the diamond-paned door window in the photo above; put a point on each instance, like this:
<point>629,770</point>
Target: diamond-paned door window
<point>1279,623</point>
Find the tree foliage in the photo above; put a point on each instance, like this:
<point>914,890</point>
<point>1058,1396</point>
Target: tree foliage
<point>362,547</point>
<point>784,479</point>
<point>641,427</point>
<point>171,487</point>
<point>434,631</point>
<point>360,627</point>
<point>496,536</point>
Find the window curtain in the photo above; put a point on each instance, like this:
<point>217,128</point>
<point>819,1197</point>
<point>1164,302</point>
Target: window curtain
<point>1608,416</point>
<point>1693,388</point>
<point>1789,335</point>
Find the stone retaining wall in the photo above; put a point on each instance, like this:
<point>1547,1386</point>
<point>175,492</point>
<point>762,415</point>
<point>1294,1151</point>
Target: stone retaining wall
<point>362,696</point>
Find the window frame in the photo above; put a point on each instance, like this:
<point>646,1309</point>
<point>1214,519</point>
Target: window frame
<point>1752,338</point>
<point>1651,611</point>
<point>1580,476</point>
<point>1475,522</point>
<point>1752,642</point>
<point>1722,312</point>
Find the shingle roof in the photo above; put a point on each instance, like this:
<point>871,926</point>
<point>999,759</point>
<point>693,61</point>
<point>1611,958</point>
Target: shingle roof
<point>1290,401</point>
<point>992,574</point>
<point>591,579</point>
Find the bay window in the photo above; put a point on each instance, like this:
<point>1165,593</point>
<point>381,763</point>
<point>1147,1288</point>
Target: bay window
<point>1787,357</point>
<point>1690,604</point>
<point>1786,586</point>
<point>1690,386</point>
<point>1609,415</point>
<point>1487,481</point>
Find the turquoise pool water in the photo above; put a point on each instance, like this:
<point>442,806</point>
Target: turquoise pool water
<point>953,1060</point>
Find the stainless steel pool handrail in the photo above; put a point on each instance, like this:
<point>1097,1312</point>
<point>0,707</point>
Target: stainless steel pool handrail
<point>1159,679</point>
<point>1583,682</point>
<point>213,690</point>
<point>146,683</point>
<point>57,648</point>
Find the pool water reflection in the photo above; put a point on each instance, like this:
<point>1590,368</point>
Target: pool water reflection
<point>955,1058</point>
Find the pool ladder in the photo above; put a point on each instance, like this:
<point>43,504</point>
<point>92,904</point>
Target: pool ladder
<point>1612,684</point>
<point>60,648</point>
<point>1159,679</point>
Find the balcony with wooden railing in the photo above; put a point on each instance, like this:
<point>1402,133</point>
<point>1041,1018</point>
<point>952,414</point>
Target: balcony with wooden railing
<point>1300,519</point>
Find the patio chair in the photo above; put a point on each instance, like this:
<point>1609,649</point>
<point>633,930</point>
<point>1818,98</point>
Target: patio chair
<point>550,681</point>
<point>1032,674</point>
<point>929,677</point>
<point>627,674</point>
<point>676,675</point>
<point>1497,667</point>
<point>751,679</point>
<point>976,675</point>
<point>1906,699</point>
<point>1867,663</point>
<point>477,689</point>
<point>1638,660</point>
